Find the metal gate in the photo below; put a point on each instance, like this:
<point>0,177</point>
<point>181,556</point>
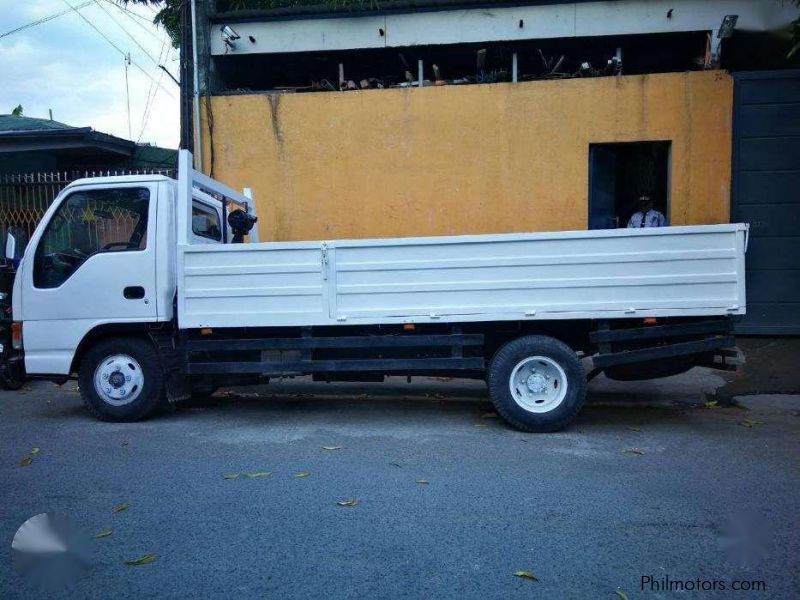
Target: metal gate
<point>766,194</point>
<point>24,197</point>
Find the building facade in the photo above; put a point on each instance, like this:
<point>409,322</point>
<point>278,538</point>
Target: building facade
<point>361,119</point>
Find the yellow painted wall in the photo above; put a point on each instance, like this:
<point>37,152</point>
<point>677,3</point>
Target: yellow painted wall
<point>465,159</point>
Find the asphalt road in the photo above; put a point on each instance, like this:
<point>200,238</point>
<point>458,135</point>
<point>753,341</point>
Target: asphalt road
<point>708,493</point>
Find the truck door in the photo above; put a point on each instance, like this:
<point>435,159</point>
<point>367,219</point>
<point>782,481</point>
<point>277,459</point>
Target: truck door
<point>92,263</point>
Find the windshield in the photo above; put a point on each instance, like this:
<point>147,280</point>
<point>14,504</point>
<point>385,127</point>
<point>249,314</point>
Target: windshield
<point>86,223</point>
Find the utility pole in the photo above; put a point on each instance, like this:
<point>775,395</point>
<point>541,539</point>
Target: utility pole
<point>128,94</point>
<point>186,52</point>
<point>198,143</point>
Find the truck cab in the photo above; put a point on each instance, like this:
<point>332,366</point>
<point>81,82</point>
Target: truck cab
<point>103,255</point>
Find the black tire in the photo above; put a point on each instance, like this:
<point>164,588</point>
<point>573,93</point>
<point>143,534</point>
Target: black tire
<point>150,397</point>
<point>506,359</point>
<point>8,382</point>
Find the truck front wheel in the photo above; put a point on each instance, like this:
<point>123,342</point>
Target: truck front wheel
<point>121,379</point>
<point>537,383</point>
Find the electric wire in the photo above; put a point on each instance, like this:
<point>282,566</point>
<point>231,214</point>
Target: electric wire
<point>126,32</point>
<point>45,19</point>
<point>130,15</point>
<point>117,48</point>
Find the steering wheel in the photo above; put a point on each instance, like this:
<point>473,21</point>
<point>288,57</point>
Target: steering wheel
<point>71,257</point>
<point>111,245</point>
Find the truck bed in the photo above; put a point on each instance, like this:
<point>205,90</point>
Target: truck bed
<point>622,273</point>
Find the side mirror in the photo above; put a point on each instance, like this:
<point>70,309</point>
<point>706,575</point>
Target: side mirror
<point>15,245</point>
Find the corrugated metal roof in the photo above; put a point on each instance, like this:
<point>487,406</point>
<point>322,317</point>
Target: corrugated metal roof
<point>20,123</point>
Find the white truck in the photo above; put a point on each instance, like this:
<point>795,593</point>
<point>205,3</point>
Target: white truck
<point>143,289</point>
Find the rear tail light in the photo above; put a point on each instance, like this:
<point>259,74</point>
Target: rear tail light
<point>16,335</point>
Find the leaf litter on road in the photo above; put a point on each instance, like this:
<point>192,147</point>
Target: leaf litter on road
<point>231,476</point>
<point>331,447</point>
<point>423,481</point>
<point>302,474</point>
<point>348,503</point>
<point>144,560</point>
<point>526,575</point>
<point>121,506</point>
<point>34,451</point>
<point>103,534</point>
<point>256,474</point>
<point>622,595</point>
<point>637,451</point>
<point>25,461</point>
<point>749,423</point>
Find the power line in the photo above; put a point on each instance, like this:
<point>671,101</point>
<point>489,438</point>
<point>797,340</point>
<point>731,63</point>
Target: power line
<point>126,32</point>
<point>45,19</point>
<point>117,48</point>
<point>150,96</point>
<point>131,16</point>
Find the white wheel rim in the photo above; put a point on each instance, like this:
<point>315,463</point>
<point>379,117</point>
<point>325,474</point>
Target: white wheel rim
<point>118,379</point>
<point>538,384</point>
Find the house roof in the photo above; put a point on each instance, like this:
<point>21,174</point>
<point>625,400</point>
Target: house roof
<point>17,123</point>
<point>20,134</point>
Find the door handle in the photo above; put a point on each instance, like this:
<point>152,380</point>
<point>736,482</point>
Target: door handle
<point>133,292</point>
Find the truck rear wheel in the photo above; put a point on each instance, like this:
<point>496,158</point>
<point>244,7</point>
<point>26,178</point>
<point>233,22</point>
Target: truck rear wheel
<point>537,383</point>
<point>121,379</point>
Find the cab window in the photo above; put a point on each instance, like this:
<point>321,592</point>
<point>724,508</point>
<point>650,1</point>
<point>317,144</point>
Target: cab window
<point>88,223</point>
<point>205,222</point>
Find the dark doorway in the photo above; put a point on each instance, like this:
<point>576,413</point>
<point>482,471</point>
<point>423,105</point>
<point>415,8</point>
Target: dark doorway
<point>619,174</point>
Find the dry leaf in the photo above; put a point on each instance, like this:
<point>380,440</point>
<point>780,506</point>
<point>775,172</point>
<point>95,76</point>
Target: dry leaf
<point>34,451</point>
<point>526,575</point>
<point>144,560</point>
<point>489,415</point>
<point>25,461</point>
<point>711,404</point>
<point>302,474</point>
<point>347,503</point>
<point>121,507</point>
<point>124,443</point>
<point>255,474</point>
<point>423,481</point>
<point>331,447</point>
<point>622,595</point>
<point>231,476</point>
<point>638,451</point>
<point>394,464</point>
<point>480,425</point>
<point>636,429</point>
<point>102,534</point>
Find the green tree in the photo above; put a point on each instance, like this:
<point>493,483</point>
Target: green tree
<point>17,112</point>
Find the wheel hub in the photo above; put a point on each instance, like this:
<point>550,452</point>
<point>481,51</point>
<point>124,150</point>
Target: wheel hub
<point>118,379</point>
<point>537,383</point>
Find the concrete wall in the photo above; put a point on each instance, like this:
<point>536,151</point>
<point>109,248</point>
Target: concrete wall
<point>465,159</point>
